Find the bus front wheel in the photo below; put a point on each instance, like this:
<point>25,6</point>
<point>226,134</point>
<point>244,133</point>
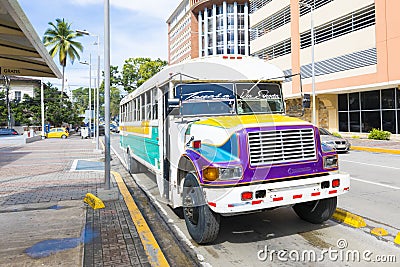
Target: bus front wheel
<point>201,222</point>
<point>316,211</point>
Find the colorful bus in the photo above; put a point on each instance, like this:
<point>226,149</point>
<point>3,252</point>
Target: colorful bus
<point>215,134</point>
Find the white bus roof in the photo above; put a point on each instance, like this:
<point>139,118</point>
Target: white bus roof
<point>227,68</point>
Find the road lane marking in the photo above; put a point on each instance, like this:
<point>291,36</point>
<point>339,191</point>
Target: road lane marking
<point>373,165</point>
<point>151,247</point>
<point>374,183</point>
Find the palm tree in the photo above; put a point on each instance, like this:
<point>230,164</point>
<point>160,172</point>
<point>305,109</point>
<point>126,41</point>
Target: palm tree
<point>60,39</point>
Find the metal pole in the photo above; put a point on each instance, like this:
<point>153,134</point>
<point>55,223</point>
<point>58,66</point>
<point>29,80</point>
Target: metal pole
<point>7,84</point>
<point>313,115</point>
<point>98,93</point>
<point>107,92</point>
<point>42,106</point>
<point>90,94</point>
<point>313,69</point>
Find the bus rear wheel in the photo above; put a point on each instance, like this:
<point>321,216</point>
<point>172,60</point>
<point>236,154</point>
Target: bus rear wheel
<point>316,211</point>
<point>201,222</point>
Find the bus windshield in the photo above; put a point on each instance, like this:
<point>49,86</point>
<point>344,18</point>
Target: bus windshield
<point>202,99</point>
<point>259,98</point>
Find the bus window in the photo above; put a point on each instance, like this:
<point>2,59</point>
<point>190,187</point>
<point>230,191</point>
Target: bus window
<point>154,104</point>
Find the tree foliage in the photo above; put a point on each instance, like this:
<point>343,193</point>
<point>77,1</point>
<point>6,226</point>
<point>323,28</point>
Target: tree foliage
<point>135,72</point>
<point>28,111</point>
<point>60,38</point>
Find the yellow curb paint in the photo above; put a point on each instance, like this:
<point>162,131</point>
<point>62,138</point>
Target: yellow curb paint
<point>379,231</point>
<point>93,201</point>
<point>397,239</point>
<point>377,150</point>
<point>151,247</point>
<point>348,218</point>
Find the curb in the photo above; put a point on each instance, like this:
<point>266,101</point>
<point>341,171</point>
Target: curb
<point>397,239</point>
<point>93,201</point>
<point>348,218</point>
<point>356,221</point>
<point>376,150</point>
<point>379,232</point>
<point>153,251</point>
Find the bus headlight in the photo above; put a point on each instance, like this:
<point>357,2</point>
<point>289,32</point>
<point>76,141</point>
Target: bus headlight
<point>213,173</point>
<point>234,173</point>
<point>331,162</point>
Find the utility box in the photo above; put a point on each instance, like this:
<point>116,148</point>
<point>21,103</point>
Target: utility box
<point>85,132</point>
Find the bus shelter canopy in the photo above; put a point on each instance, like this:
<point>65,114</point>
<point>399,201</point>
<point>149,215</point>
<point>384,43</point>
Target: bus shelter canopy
<point>22,52</point>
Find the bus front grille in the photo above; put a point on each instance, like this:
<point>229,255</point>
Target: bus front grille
<point>281,146</point>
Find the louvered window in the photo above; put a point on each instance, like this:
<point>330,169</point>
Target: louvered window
<point>355,21</point>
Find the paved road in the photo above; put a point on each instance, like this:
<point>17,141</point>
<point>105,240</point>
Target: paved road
<point>249,239</point>
<point>375,186</point>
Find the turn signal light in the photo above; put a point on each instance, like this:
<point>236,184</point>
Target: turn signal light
<point>247,195</point>
<point>211,173</point>
<point>196,144</point>
<point>335,183</point>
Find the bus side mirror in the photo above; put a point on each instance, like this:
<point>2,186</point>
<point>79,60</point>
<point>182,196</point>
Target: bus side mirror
<point>173,106</point>
<point>306,101</point>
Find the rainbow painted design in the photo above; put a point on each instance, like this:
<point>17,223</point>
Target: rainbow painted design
<point>228,122</point>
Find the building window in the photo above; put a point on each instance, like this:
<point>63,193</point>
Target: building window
<point>363,111</point>
<point>233,31</point>
<point>257,4</point>
<point>276,50</point>
<point>315,3</point>
<point>273,22</point>
<point>18,96</point>
<point>354,21</point>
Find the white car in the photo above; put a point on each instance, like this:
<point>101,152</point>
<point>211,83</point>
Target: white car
<point>338,143</point>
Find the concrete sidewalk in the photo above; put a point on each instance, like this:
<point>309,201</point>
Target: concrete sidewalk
<point>43,219</point>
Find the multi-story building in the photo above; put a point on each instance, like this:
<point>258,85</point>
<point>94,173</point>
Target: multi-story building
<point>200,28</point>
<point>356,50</point>
<point>356,53</point>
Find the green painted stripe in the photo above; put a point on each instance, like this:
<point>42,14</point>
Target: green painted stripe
<point>145,148</point>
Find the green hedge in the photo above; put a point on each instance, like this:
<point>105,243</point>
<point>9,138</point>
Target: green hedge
<point>377,134</point>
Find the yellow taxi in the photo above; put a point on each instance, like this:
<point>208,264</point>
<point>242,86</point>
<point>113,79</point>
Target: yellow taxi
<point>57,133</point>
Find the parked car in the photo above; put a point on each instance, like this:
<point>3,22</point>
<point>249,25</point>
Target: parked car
<point>8,132</point>
<point>114,128</point>
<point>57,133</point>
<point>338,143</point>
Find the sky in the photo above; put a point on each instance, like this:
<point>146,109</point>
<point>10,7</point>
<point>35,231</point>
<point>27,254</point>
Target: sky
<point>137,29</point>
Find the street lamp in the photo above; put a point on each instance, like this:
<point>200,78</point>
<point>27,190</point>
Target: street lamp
<point>90,90</point>
<point>97,110</point>
<point>313,118</point>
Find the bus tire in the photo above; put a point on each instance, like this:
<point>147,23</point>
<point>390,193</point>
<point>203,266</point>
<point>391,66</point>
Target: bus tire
<point>316,211</point>
<point>201,222</point>
<point>133,164</point>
